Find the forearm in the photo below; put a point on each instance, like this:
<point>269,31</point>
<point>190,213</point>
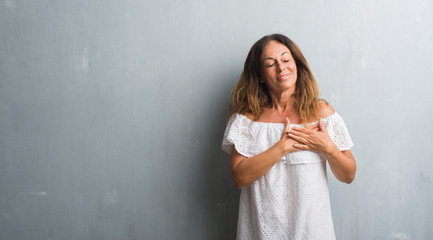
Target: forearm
<point>251,169</point>
<point>342,165</point>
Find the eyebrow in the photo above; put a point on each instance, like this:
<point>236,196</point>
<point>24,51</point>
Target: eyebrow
<point>269,58</point>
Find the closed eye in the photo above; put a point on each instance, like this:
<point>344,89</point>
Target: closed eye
<point>273,64</point>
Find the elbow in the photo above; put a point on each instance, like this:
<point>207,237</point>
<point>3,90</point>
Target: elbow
<point>239,180</point>
<point>349,176</point>
<point>348,179</point>
<point>239,183</point>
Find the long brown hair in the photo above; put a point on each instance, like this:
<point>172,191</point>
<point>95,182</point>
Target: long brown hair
<point>250,96</point>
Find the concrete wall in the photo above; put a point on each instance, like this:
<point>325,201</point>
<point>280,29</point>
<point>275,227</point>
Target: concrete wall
<point>112,113</point>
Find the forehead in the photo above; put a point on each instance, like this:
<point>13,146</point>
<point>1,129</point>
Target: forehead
<point>274,49</point>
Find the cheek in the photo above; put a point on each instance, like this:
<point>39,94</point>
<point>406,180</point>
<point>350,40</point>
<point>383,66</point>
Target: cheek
<point>267,74</point>
<point>294,70</point>
<point>292,66</point>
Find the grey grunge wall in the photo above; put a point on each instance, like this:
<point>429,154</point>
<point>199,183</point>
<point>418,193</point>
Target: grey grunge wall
<point>112,113</point>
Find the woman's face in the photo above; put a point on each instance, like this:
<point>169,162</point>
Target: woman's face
<point>278,67</point>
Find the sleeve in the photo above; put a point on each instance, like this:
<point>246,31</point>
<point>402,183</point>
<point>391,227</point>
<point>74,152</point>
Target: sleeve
<point>238,134</point>
<point>338,132</point>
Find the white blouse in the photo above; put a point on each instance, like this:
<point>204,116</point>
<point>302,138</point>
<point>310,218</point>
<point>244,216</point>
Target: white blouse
<point>291,201</point>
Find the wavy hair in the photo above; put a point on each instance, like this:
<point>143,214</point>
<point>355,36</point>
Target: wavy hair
<point>250,96</point>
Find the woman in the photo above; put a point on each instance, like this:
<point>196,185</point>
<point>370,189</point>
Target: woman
<point>280,135</point>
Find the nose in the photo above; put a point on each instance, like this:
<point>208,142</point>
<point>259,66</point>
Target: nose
<point>279,67</point>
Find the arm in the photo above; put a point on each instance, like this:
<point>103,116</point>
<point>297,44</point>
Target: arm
<point>247,170</point>
<point>342,163</point>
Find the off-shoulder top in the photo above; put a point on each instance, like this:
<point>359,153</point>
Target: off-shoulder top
<point>291,201</point>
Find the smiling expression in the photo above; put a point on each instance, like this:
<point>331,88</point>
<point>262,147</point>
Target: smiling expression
<point>278,67</point>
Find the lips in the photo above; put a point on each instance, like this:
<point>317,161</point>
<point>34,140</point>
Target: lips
<point>283,77</point>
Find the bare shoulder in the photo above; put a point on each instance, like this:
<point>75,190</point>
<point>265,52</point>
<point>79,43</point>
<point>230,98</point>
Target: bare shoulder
<point>248,115</point>
<point>325,110</point>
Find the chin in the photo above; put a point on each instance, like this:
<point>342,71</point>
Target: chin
<point>287,85</point>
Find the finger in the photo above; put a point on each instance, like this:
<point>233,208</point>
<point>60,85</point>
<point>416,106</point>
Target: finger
<point>300,134</point>
<point>322,125</point>
<point>301,130</point>
<point>287,126</point>
<point>297,138</point>
<point>313,126</point>
<point>301,146</point>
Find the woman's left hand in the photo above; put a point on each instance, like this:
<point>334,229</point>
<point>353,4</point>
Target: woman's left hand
<point>317,141</point>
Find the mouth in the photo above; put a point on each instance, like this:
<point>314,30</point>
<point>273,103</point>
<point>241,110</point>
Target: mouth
<point>283,77</point>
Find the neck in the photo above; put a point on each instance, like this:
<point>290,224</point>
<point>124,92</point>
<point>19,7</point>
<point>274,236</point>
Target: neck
<point>282,101</point>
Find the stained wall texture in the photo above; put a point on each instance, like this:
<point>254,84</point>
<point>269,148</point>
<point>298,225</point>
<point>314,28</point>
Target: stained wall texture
<point>112,113</point>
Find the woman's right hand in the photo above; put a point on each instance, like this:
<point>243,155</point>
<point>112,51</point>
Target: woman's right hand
<point>285,141</point>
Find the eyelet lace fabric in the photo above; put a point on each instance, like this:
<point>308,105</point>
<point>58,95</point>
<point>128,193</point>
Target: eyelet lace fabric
<point>291,201</point>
